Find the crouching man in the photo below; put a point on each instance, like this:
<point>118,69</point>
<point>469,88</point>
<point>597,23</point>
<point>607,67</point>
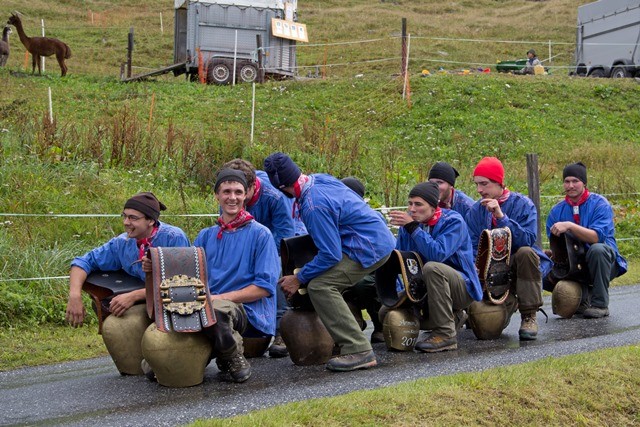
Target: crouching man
<point>441,238</point>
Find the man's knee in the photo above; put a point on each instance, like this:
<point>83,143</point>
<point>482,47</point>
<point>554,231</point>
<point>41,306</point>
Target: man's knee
<point>599,250</point>
<point>526,255</point>
<point>432,269</point>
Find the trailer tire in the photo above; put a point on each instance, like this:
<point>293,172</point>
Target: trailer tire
<point>597,73</point>
<point>218,73</point>
<point>619,72</point>
<point>248,73</point>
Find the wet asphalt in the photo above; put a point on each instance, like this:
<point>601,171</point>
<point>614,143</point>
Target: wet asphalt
<point>92,392</point>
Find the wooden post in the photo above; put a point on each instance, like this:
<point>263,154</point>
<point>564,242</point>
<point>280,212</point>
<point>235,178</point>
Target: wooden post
<point>260,59</point>
<point>129,52</point>
<point>403,48</point>
<point>533,185</point>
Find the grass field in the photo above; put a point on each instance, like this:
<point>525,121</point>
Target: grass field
<point>109,140</point>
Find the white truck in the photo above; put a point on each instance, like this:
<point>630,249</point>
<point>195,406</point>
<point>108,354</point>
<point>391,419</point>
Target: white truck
<point>607,39</point>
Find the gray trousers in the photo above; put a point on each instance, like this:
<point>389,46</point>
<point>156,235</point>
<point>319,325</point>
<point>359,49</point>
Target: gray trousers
<point>325,292</point>
<point>527,280</point>
<point>446,294</point>
<point>226,333</point>
<point>601,262</point>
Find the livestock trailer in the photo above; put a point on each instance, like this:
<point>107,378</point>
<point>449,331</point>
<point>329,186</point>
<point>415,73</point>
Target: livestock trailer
<point>215,35</point>
<point>607,39</point>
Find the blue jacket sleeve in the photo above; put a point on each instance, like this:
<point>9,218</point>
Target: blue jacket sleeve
<point>443,246</point>
<point>322,226</point>
<point>523,222</point>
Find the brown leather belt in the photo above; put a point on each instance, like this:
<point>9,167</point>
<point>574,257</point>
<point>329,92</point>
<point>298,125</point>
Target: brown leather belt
<point>102,286</point>
<point>405,266</point>
<point>178,295</point>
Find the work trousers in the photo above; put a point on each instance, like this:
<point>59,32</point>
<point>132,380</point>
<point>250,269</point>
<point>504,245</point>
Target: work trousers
<point>325,292</point>
<point>601,263</point>
<point>226,334</point>
<point>446,294</point>
<point>526,281</point>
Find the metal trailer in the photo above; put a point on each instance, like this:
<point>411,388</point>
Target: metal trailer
<point>607,39</point>
<point>205,30</point>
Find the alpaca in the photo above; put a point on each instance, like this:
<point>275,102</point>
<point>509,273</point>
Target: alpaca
<point>4,46</point>
<point>41,46</point>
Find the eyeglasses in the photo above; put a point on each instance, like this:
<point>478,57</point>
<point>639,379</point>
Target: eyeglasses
<point>131,217</point>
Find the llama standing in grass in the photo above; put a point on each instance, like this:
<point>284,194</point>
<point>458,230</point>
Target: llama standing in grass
<point>4,46</point>
<point>41,46</point>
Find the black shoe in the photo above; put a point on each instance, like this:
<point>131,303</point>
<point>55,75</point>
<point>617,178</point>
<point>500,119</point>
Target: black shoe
<point>353,361</point>
<point>278,348</point>
<point>461,318</point>
<point>376,337</point>
<point>595,312</point>
<point>146,369</point>
<point>235,369</point>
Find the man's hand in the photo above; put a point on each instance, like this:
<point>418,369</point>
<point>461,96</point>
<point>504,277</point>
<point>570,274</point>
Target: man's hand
<point>76,312</point>
<point>561,227</point>
<point>399,218</point>
<point>121,303</point>
<point>146,264</point>
<point>492,206</point>
<point>289,285</point>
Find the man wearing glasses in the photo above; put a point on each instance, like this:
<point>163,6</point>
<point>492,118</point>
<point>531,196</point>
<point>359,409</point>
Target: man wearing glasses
<point>124,252</point>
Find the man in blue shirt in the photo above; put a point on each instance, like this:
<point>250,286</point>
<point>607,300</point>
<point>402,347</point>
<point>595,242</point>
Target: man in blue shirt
<point>441,238</point>
<point>589,217</point>
<point>443,174</point>
<point>352,241</point>
<point>275,211</point>
<point>500,207</point>
<point>124,252</point>
<point>243,271</point>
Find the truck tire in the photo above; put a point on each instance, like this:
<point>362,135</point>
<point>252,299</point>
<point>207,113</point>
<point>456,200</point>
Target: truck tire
<point>248,72</point>
<point>597,73</point>
<point>619,72</point>
<point>218,73</point>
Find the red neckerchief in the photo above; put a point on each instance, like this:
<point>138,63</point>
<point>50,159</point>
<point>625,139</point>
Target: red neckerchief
<point>447,204</point>
<point>256,193</point>
<point>435,218</point>
<point>297,189</point>
<point>241,219</point>
<point>503,198</point>
<point>144,244</point>
<point>576,205</point>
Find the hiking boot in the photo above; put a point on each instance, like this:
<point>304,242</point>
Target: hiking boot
<point>146,369</point>
<point>278,348</point>
<point>582,308</point>
<point>595,312</point>
<point>237,369</point>
<point>461,318</point>
<point>528,327</point>
<point>376,337</point>
<point>353,361</point>
<point>436,343</point>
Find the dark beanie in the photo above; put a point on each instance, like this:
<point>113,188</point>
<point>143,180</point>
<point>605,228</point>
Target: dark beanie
<point>445,172</point>
<point>579,170</point>
<point>282,171</point>
<point>233,175</point>
<point>146,203</point>
<point>428,191</point>
<point>354,184</point>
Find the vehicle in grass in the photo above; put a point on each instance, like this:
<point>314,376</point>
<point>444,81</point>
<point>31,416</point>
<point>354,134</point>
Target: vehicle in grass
<point>214,36</point>
<point>607,39</point>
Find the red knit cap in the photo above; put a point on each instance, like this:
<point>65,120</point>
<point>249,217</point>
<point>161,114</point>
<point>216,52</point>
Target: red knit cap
<point>490,167</point>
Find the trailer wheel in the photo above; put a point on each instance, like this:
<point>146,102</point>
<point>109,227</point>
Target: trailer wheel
<point>597,73</point>
<point>248,73</point>
<point>619,72</point>
<point>218,73</point>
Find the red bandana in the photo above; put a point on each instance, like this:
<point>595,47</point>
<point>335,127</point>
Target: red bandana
<point>256,193</point>
<point>297,188</point>
<point>144,244</point>
<point>436,216</point>
<point>447,204</point>
<point>503,198</point>
<point>576,205</point>
<point>241,219</point>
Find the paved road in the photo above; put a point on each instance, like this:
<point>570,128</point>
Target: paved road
<point>91,392</point>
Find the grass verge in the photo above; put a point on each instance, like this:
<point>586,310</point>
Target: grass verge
<point>592,389</point>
